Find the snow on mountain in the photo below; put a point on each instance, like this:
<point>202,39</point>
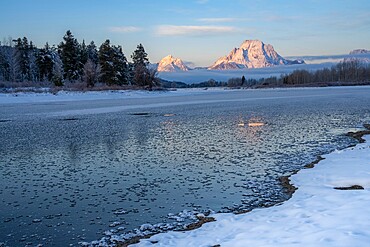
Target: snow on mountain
<point>252,54</point>
<point>359,51</point>
<point>171,64</point>
<point>360,55</point>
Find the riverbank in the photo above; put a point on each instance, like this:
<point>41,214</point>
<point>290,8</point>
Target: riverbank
<point>330,208</point>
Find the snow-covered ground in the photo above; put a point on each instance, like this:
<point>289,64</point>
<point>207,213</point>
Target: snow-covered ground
<point>30,97</point>
<point>316,215</point>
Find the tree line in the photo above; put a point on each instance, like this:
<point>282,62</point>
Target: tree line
<point>349,72</point>
<point>73,62</point>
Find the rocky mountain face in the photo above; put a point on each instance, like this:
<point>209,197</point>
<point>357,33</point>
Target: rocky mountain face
<point>171,64</point>
<point>252,54</point>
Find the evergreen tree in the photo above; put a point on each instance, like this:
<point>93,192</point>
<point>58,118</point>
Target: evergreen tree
<point>4,64</point>
<point>57,68</point>
<point>105,58</point>
<point>120,65</point>
<point>45,63</point>
<point>92,52</point>
<point>83,54</point>
<point>22,56</point>
<point>140,57</point>
<point>142,75</point>
<point>70,54</point>
<point>34,68</point>
<point>113,64</point>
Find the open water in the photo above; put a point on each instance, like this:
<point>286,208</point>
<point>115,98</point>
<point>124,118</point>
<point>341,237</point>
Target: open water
<point>77,176</point>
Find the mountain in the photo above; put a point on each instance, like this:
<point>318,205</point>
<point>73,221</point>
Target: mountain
<point>252,54</point>
<point>171,64</point>
<point>359,51</point>
<point>360,55</point>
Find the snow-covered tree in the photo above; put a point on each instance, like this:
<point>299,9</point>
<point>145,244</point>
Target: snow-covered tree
<point>113,64</point>
<point>120,65</point>
<point>91,73</point>
<point>4,65</point>
<point>139,56</point>
<point>34,68</point>
<point>142,75</point>
<point>57,69</point>
<point>92,52</point>
<point>83,53</point>
<point>23,51</point>
<point>70,54</point>
<point>45,63</point>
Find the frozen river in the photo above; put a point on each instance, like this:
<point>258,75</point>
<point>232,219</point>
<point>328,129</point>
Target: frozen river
<point>76,170</point>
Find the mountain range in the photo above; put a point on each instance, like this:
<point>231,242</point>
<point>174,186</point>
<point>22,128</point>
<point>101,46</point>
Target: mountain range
<point>250,54</point>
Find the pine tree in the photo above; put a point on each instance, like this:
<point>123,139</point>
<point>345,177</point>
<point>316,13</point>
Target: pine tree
<point>34,68</point>
<point>83,54</point>
<point>57,68</point>
<point>92,52</point>
<point>120,65</point>
<point>45,63</point>
<point>105,58</point>
<point>142,75</point>
<point>70,54</point>
<point>113,64</point>
<point>4,65</point>
<point>22,56</point>
<point>140,57</point>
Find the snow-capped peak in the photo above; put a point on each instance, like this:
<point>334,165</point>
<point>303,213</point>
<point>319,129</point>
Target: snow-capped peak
<point>251,54</point>
<point>359,51</point>
<point>171,64</point>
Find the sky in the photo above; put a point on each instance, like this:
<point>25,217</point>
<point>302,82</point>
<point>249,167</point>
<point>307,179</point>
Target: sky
<point>197,31</point>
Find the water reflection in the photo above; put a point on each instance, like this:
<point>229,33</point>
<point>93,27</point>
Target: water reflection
<point>250,129</point>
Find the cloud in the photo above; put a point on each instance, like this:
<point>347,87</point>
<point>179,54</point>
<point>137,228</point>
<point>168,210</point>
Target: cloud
<point>171,30</point>
<point>125,29</point>
<point>216,20</point>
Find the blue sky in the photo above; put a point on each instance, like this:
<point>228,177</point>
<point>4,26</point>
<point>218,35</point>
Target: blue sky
<point>198,31</point>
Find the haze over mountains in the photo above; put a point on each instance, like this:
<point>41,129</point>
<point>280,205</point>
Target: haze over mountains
<point>250,54</point>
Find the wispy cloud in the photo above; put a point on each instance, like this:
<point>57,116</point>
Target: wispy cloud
<point>125,29</point>
<point>171,30</point>
<point>217,20</point>
<point>202,1</point>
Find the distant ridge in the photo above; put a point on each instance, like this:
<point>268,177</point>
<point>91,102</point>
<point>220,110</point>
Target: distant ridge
<point>359,51</point>
<point>361,55</point>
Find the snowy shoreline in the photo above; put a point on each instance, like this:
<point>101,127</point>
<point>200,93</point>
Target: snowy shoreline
<point>66,96</point>
<point>325,210</point>
<point>316,215</point>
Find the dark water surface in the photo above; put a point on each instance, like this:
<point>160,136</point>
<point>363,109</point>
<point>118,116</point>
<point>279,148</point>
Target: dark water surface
<point>68,174</point>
